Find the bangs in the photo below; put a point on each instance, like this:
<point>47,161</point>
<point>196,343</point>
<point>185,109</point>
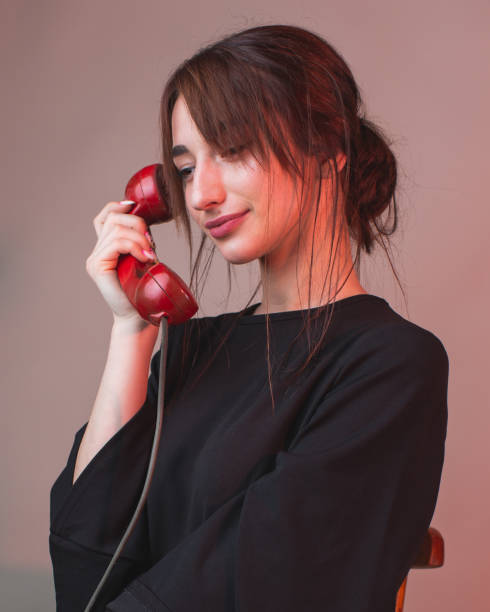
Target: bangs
<point>235,105</point>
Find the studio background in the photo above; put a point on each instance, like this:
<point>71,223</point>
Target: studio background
<point>82,83</point>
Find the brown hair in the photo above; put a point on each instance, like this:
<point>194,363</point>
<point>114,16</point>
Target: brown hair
<point>286,91</point>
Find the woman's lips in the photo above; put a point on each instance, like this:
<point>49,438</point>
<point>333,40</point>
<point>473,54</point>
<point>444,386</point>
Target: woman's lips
<point>222,219</point>
<point>225,227</point>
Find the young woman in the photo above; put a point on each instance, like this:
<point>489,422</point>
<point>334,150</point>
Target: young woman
<point>303,436</point>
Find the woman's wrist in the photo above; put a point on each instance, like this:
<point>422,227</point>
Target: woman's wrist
<point>132,324</point>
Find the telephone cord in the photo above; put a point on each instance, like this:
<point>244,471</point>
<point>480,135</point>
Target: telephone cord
<point>151,465</point>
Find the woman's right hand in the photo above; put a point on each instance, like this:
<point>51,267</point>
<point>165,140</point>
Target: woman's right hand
<point>117,233</point>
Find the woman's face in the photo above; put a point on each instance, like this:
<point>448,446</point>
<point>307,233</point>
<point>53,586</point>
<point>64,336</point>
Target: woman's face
<point>263,201</point>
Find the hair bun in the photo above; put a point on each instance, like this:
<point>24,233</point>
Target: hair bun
<point>372,183</point>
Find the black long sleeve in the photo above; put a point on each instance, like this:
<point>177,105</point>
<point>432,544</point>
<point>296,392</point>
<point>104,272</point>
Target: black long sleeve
<point>320,505</point>
<point>89,517</point>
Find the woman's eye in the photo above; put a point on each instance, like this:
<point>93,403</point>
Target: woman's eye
<point>184,173</point>
<point>234,151</point>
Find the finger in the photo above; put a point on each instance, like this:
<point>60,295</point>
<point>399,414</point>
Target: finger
<point>105,256</point>
<point>109,254</point>
<point>124,206</point>
<point>123,232</point>
<point>114,218</point>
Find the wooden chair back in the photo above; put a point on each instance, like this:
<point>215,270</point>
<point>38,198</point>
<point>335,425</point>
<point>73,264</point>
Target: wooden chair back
<point>431,555</point>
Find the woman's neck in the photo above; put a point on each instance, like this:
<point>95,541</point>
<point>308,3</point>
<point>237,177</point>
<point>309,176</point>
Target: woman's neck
<point>285,283</point>
<point>348,290</point>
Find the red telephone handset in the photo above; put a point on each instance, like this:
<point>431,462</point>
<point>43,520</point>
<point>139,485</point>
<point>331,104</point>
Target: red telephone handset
<point>153,288</point>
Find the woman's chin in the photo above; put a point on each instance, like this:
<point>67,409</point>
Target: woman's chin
<point>237,257</point>
<point>237,261</point>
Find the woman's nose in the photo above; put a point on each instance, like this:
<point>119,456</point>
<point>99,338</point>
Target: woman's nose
<point>207,186</point>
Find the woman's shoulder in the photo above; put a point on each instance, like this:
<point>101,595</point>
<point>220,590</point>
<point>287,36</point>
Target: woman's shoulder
<point>395,339</point>
<point>411,335</point>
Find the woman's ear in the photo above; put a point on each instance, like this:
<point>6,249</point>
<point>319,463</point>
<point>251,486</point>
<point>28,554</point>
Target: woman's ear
<point>328,167</point>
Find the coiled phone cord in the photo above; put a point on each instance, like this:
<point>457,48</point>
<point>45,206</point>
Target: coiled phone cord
<point>151,464</point>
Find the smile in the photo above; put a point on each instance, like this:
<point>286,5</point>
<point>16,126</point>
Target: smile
<point>228,225</point>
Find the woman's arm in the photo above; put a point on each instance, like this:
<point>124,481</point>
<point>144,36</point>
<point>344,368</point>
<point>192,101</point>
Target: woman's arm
<point>89,517</point>
<point>122,390</point>
<point>123,387</point>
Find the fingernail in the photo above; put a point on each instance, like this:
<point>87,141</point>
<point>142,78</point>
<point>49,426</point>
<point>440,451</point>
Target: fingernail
<point>148,253</point>
<point>126,202</point>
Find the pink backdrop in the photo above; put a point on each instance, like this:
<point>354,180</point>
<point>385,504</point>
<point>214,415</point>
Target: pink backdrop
<point>82,82</point>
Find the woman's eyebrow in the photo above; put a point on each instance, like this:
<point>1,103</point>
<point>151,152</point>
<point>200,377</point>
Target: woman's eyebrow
<point>179,150</point>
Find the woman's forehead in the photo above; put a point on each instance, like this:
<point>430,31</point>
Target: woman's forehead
<point>183,125</point>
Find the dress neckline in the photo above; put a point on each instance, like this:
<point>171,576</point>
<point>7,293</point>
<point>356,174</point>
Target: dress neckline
<point>248,314</point>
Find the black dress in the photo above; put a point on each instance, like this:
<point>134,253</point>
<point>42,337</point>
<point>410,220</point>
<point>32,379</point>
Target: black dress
<point>318,505</point>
